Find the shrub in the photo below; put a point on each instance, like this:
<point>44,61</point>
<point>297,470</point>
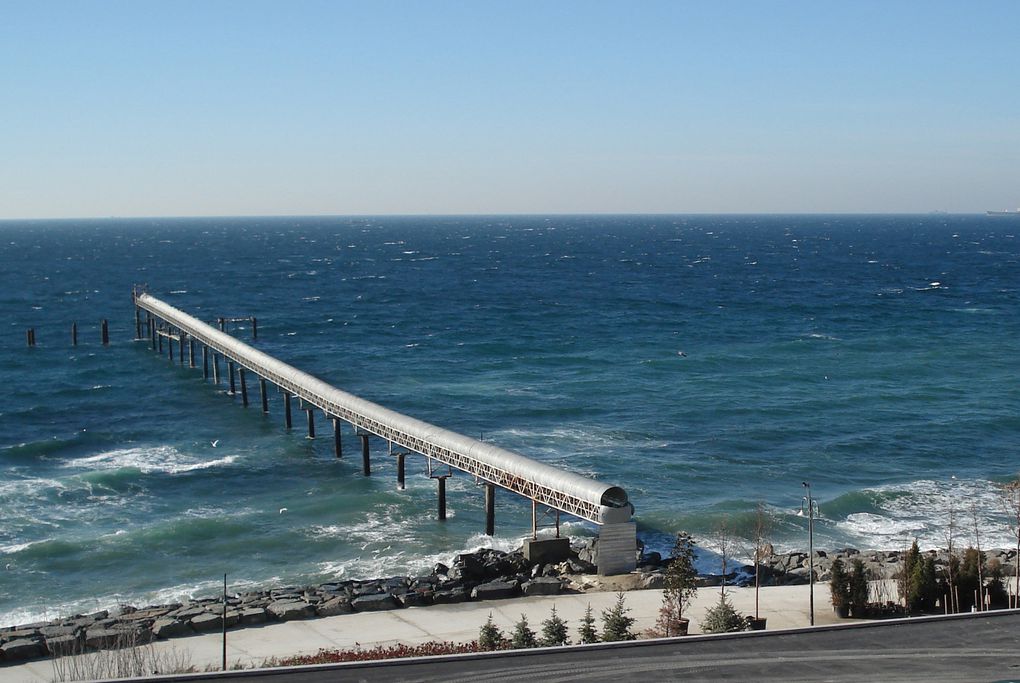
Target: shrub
<point>615,622</point>
<point>358,654</point>
<point>554,630</point>
<point>679,586</point>
<point>723,618</point>
<point>858,588</point>
<point>839,586</point>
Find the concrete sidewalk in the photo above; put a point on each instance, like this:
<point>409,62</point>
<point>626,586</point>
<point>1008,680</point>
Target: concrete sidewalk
<point>783,606</point>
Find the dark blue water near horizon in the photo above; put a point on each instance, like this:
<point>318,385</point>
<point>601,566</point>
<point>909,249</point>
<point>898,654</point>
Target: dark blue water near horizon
<point>703,363</point>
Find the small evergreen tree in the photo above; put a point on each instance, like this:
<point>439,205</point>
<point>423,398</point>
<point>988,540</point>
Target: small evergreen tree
<point>911,559</point>
<point>858,584</point>
<point>554,630</point>
<point>679,586</point>
<point>523,637</point>
<point>924,588</point>
<point>615,622</point>
<point>586,632</point>
<point>998,596</point>
<point>490,637</point>
<point>723,618</point>
<point>839,587</point>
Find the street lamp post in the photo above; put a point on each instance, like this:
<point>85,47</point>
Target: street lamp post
<point>812,508</point>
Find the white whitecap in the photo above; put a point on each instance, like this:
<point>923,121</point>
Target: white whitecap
<point>147,460</point>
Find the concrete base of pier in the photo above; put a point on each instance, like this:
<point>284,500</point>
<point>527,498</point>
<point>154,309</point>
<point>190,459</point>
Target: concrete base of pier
<point>547,550</point>
<point>616,549</point>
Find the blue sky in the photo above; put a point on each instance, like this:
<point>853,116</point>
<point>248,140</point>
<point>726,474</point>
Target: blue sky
<point>256,108</point>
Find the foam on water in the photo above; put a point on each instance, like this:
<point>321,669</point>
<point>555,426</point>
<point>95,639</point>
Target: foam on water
<point>166,459</point>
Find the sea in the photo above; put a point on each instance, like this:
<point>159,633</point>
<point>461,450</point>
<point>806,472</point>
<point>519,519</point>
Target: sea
<point>709,365</point>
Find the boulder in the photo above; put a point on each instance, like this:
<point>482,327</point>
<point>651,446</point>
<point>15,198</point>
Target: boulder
<point>542,586</point>
<point>22,648</point>
<point>289,610</point>
<point>101,638</point>
<point>252,615</point>
<point>59,646</point>
<point>374,603</point>
<point>654,580</point>
<point>338,605</point>
<point>207,621</point>
<point>170,627</point>
<point>494,590</point>
<point>449,596</point>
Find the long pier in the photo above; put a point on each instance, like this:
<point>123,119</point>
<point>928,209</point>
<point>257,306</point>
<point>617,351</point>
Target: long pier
<point>558,490</point>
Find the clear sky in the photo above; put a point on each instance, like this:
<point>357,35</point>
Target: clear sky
<point>254,108</point>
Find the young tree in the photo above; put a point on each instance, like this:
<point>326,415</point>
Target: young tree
<point>554,630</point>
<point>523,637</point>
<point>981,558</point>
<point>615,622</point>
<point>586,632</point>
<point>1011,501</point>
<point>839,587</point>
<point>679,587</point>
<point>763,524</point>
<point>906,580</point>
<point>859,590</point>
<point>490,637</point>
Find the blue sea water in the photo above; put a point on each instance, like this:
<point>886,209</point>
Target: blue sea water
<point>703,363</point>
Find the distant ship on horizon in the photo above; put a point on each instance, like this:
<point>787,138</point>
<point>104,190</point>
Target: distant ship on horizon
<point>1007,212</point>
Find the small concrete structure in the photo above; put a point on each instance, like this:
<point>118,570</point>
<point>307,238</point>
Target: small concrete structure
<point>547,550</point>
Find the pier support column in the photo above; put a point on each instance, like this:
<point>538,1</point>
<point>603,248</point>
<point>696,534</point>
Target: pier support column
<point>311,422</point>
<point>254,327</point>
<point>191,352</point>
<point>286,409</point>
<point>490,509</point>
<point>106,332</point>
<point>265,397</point>
<point>338,446</point>
<point>244,387</point>
<point>441,483</point>
<point>152,332</point>
<point>138,323</point>
<point>617,548</point>
<point>230,371</point>
<point>366,463</point>
<point>159,341</point>
<point>30,336</point>
<point>169,347</point>
<point>216,368</point>
<point>400,470</point>
<point>180,348</point>
<point>74,334</point>
<point>205,362</point>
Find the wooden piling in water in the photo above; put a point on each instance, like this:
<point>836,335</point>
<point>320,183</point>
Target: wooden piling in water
<point>216,368</point>
<point>366,462</point>
<point>400,470</point>
<point>265,397</point>
<point>230,371</point>
<point>490,509</point>
<point>286,409</point>
<point>106,332</point>
<point>441,483</point>
<point>311,422</point>
<point>337,439</point>
<point>244,387</point>
<point>254,327</point>
<point>74,334</point>
<point>30,336</point>
<point>205,362</point>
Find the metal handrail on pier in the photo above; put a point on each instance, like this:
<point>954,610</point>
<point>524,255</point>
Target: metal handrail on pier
<point>566,491</point>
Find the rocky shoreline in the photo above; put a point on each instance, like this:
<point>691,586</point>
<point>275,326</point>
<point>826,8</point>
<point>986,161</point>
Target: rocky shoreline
<point>482,575</point>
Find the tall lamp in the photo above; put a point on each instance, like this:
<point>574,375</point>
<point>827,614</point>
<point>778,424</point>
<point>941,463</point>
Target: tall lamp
<point>812,509</point>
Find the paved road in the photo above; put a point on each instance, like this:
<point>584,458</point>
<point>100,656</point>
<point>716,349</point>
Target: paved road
<point>982,647</point>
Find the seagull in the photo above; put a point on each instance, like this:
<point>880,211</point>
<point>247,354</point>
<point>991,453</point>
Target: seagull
<point>282,510</point>
<point>214,443</point>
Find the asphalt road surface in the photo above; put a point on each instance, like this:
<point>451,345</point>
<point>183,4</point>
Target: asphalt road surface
<point>984,647</point>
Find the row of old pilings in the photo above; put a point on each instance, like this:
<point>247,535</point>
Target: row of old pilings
<point>161,333</point>
<point>104,327</point>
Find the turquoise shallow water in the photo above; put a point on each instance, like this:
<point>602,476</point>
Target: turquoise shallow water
<point>703,363</point>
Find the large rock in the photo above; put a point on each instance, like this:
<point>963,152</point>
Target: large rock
<point>415,598</point>
<point>252,615</point>
<point>449,596</point>
<point>291,610</point>
<point>59,646</point>
<point>494,590</point>
<point>170,627</point>
<point>101,638</point>
<point>334,606</point>
<point>22,648</point>
<point>207,621</point>
<point>542,585</point>
<point>373,603</point>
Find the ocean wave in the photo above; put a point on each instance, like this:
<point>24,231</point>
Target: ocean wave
<point>166,459</point>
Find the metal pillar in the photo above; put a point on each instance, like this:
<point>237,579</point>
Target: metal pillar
<point>230,371</point>
<point>159,339</point>
<point>338,447</point>
<point>490,509</point>
<point>400,470</point>
<point>152,332</point>
<point>311,422</point>
<point>180,348</point>
<point>254,327</point>
<point>265,397</point>
<point>74,334</point>
<point>106,332</point>
<point>205,362</point>
<point>138,323</point>
<point>441,482</point>
<point>223,324</point>
<point>244,387</point>
<point>286,409</point>
<point>191,352</point>
<point>30,336</point>
<point>169,347</point>
<point>366,463</point>
<point>216,368</point>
